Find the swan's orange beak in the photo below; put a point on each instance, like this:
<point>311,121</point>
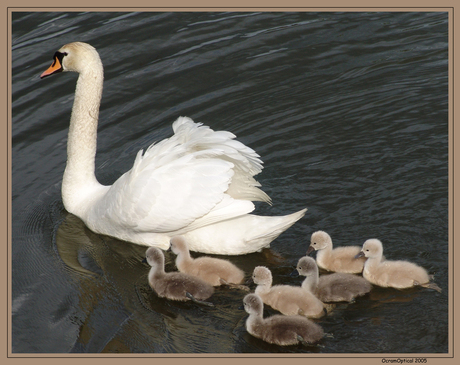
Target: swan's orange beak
<point>55,67</point>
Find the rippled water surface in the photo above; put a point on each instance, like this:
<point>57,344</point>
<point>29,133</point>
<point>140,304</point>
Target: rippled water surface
<point>349,112</point>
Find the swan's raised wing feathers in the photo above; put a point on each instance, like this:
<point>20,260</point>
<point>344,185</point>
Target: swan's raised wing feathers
<point>189,180</point>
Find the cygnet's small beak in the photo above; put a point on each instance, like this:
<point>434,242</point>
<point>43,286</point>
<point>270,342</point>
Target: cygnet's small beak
<point>249,281</point>
<point>294,274</point>
<point>361,254</point>
<point>241,307</point>
<point>310,249</point>
<point>144,261</point>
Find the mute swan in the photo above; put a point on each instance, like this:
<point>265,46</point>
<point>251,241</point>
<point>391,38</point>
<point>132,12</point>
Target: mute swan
<point>175,285</point>
<point>287,299</point>
<point>340,259</point>
<point>197,183</point>
<point>396,274</point>
<point>278,329</point>
<point>214,271</point>
<point>336,287</point>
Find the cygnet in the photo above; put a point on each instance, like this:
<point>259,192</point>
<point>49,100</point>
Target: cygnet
<point>289,300</point>
<point>337,287</point>
<point>175,285</point>
<point>278,329</point>
<point>396,274</point>
<point>340,259</point>
<point>214,271</point>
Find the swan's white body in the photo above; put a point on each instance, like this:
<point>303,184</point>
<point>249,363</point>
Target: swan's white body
<point>197,183</point>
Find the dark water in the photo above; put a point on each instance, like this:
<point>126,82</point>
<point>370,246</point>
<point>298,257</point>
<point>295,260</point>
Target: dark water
<point>349,112</point>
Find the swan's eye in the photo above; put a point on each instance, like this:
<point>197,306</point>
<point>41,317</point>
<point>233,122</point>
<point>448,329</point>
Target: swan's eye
<point>314,243</point>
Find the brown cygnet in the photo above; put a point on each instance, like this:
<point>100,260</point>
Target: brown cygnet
<point>175,285</point>
<point>279,329</point>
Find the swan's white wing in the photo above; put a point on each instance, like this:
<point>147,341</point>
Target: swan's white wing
<point>246,161</point>
<point>180,184</point>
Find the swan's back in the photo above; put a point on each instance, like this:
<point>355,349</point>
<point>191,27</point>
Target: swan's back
<point>287,299</point>
<point>292,300</point>
<point>283,330</point>
<point>217,271</point>
<point>339,259</point>
<point>398,274</point>
<point>341,287</point>
<point>279,329</point>
<point>174,285</point>
<point>336,287</point>
<point>342,259</point>
<point>212,270</point>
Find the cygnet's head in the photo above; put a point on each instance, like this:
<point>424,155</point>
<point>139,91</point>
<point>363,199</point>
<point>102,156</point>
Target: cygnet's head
<point>178,245</point>
<point>253,304</point>
<point>320,240</point>
<point>372,248</point>
<point>154,256</point>
<point>262,276</point>
<point>306,266</point>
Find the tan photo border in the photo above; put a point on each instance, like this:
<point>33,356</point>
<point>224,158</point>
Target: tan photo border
<point>206,5</point>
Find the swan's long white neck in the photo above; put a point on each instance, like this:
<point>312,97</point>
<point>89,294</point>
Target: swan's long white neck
<point>79,183</point>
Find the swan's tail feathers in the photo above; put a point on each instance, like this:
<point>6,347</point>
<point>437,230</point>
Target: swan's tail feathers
<point>273,226</point>
<point>242,235</point>
<point>433,286</point>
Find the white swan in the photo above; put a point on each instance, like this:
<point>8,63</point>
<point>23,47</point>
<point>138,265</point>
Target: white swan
<point>198,183</point>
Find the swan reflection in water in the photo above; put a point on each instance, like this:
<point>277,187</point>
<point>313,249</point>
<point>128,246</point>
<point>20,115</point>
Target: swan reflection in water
<point>117,310</point>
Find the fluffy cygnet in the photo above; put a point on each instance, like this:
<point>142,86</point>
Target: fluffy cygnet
<point>279,329</point>
<point>337,287</point>
<point>396,274</point>
<point>340,259</point>
<point>289,300</point>
<point>175,285</point>
<point>214,271</point>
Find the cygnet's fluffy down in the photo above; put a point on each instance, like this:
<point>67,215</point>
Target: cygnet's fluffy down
<point>337,287</point>
<point>289,300</point>
<point>279,329</point>
<point>214,271</point>
<point>340,259</point>
<point>396,274</point>
<point>175,285</point>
